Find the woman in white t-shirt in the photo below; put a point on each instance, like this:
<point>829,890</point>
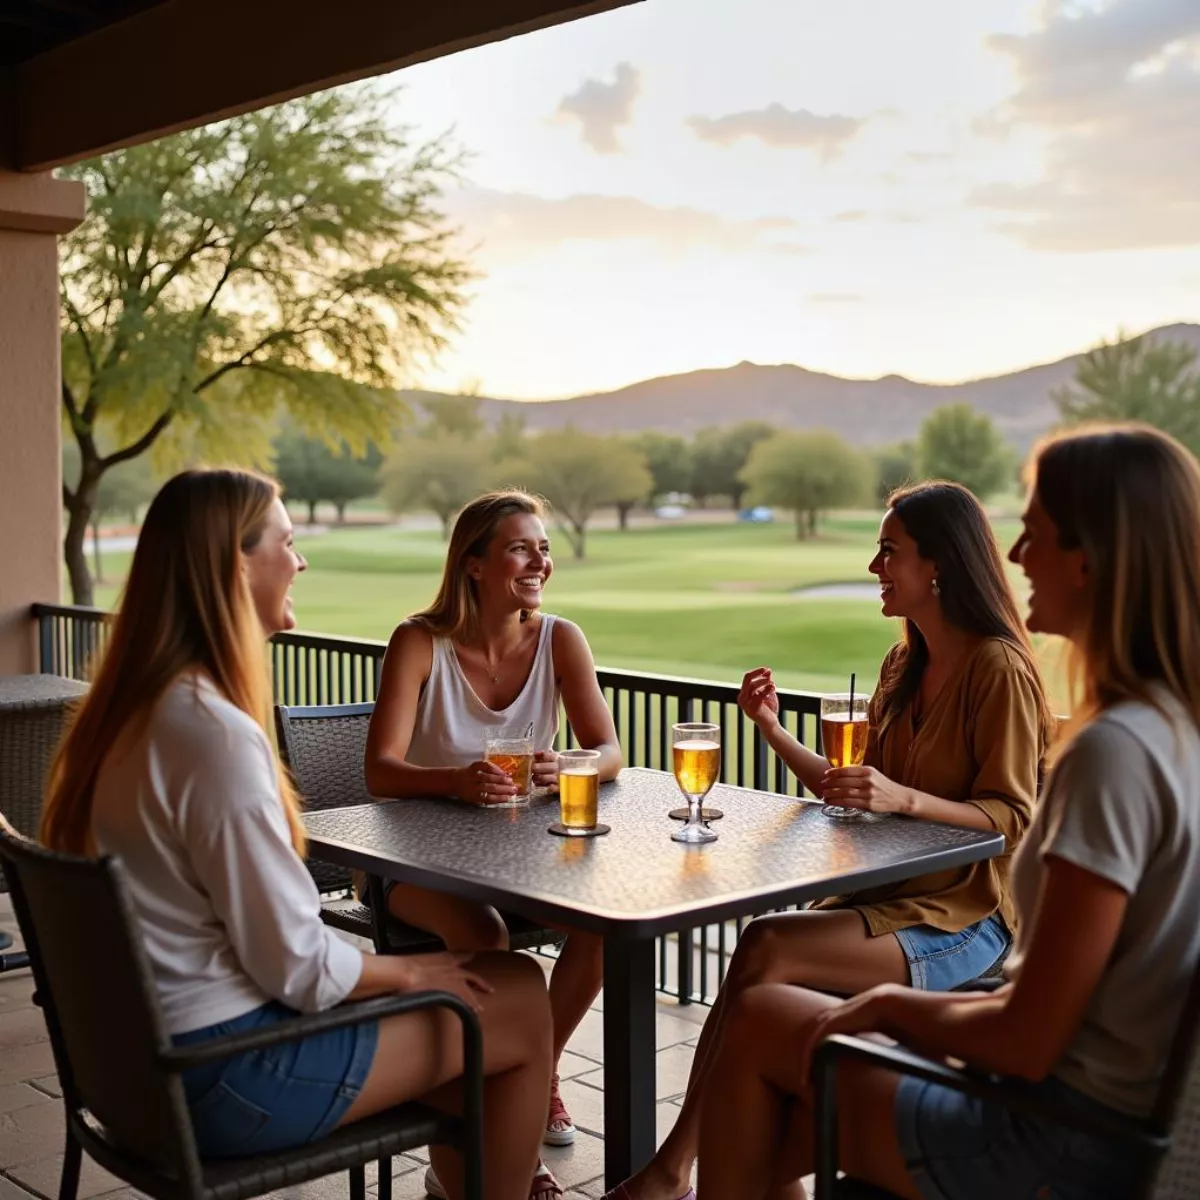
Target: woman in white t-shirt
<point>168,765</point>
<point>1106,884</point>
<point>484,657</point>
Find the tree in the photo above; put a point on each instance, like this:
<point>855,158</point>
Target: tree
<point>581,472</point>
<point>630,497</point>
<point>807,473</point>
<point>669,460</point>
<point>452,416</point>
<point>438,474</point>
<point>311,472</point>
<point>720,453</point>
<point>295,255</point>
<point>125,489</point>
<point>955,442</point>
<point>508,439</point>
<point>1137,379</point>
<point>895,466</point>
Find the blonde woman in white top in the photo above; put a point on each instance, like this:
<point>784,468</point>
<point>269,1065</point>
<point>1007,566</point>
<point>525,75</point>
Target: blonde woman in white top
<point>168,765</point>
<point>483,656</point>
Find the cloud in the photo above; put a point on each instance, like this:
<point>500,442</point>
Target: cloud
<point>784,128</point>
<point>1117,92</point>
<point>514,224</point>
<point>836,298</point>
<point>602,108</point>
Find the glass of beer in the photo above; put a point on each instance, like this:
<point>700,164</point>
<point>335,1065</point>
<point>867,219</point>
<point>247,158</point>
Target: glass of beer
<point>696,750</point>
<point>844,739</point>
<point>578,791</point>
<point>512,751</point>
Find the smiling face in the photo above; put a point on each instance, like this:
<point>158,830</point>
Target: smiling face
<point>271,564</point>
<point>905,578</point>
<point>1058,578</point>
<point>513,571</point>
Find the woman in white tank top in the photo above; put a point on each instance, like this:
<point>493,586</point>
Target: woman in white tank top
<point>484,657</point>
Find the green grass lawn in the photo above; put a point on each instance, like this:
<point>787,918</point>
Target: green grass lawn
<point>701,600</point>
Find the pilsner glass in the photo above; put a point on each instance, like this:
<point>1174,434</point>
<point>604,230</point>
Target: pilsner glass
<point>697,758</point>
<point>512,752</point>
<point>844,739</point>
<point>578,790</point>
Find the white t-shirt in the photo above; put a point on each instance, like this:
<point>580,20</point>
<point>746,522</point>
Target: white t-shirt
<point>229,915</point>
<point>1123,803</point>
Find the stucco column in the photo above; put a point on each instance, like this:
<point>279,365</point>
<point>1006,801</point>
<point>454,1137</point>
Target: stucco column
<point>34,209</point>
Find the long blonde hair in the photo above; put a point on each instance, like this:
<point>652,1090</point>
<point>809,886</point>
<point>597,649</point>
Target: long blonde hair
<point>1128,496</point>
<point>454,612</point>
<point>186,605</point>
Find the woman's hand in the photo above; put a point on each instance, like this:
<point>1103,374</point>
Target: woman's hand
<point>484,783</point>
<point>865,788</point>
<point>545,770</point>
<point>445,972</point>
<point>758,699</point>
<point>860,1014</point>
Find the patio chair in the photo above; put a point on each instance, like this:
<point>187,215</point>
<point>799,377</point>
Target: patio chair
<point>120,1074</point>
<point>1168,1141</point>
<point>324,748</point>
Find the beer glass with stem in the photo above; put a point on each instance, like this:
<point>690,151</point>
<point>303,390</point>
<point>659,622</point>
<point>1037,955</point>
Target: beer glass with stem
<point>696,750</point>
<point>844,739</point>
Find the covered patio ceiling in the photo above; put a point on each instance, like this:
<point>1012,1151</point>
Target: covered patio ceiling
<point>78,77</point>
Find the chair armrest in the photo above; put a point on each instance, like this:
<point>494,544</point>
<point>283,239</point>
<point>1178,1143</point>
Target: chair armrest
<point>995,1088</point>
<point>181,1058</point>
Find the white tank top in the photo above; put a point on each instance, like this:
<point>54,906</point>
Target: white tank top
<point>452,721</point>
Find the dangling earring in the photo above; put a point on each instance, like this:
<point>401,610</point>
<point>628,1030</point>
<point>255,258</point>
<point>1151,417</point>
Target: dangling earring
<point>937,591</point>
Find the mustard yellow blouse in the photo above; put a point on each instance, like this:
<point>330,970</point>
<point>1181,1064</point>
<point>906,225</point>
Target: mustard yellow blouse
<point>980,743</point>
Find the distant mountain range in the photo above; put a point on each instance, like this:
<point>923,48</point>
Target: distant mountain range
<point>866,411</point>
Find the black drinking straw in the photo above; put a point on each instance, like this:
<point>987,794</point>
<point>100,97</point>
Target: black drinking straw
<point>852,695</point>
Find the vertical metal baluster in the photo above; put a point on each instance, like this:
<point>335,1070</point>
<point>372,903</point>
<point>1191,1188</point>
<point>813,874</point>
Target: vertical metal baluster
<point>721,954</point>
<point>663,728</point>
<point>616,715</point>
<point>703,964</point>
<point>632,758</point>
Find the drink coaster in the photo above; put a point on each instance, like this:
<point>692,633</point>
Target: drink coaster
<point>706,814</point>
<point>564,831</point>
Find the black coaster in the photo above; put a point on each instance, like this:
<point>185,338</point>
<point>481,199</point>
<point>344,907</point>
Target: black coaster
<point>563,831</point>
<point>706,814</point>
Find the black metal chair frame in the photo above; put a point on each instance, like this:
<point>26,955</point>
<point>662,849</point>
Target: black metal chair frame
<point>175,1171</point>
<point>1150,1139</point>
<point>388,935</point>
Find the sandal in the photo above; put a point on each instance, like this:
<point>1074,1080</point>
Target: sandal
<point>560,1130</point>
<point>544,1186</point>
<point>622,1192</point>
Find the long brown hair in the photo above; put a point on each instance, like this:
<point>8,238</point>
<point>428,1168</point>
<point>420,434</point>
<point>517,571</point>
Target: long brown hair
<point>186,605</point>
<point>1128,496</point>
<point>454,612</point>
<point>951,530</point>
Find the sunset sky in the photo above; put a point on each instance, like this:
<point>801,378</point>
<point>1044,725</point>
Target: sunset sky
<point>939,188</point>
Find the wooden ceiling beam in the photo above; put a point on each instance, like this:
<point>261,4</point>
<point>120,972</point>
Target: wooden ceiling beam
<point>189,62</point>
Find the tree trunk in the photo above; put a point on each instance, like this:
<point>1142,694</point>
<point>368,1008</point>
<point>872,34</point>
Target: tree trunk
<point>735,498</point>
<point>801,524</point>
<point>578,539</point>
<point>97,568</point>
<point>623,511</point>
<point>80,505</point>
<point>812,523</point>
<point>341,512</point>
<point>312,512</point>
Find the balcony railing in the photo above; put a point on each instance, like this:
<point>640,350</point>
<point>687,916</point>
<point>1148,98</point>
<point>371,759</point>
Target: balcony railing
<point>315,669</point>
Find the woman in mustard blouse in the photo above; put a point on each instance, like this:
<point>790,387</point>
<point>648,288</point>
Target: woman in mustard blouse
<point>958,728</point>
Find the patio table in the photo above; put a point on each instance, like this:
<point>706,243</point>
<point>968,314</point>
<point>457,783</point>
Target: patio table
<point>635,884</point>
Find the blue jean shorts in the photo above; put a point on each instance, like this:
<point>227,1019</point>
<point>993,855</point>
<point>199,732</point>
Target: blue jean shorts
<point>959,1147</point>
<point>273,1099</point>
<point>939,961</point>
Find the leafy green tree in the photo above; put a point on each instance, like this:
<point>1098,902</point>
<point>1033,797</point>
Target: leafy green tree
<point>669,459</point>
<point>718,455</point>
<point>508,438</point>
<point>311,472</point>
<point>126,489</point>
<point>582,472</point>
<point>451,416</point>
<point>1137,379</point>
<point>807,473</point>
<point>895,466</point>
<point>955,442</point>
<point>296,255</point>
<point>437,474</point>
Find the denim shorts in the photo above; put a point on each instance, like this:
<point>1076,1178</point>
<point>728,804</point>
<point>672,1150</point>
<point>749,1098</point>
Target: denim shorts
<point>273,1099</point>
<point>959,1147</point>
<point>939,961</point>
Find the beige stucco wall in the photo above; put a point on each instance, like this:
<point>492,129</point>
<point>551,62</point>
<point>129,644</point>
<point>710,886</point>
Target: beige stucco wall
<point>32,210</point>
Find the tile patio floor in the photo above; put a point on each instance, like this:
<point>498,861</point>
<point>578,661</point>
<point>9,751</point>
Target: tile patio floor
<point>31,1123</point>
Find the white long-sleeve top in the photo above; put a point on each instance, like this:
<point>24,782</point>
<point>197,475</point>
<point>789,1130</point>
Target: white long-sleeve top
<point>229,915</point>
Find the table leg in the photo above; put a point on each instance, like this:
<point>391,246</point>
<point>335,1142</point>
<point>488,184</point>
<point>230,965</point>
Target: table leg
<point>629,1046</point>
